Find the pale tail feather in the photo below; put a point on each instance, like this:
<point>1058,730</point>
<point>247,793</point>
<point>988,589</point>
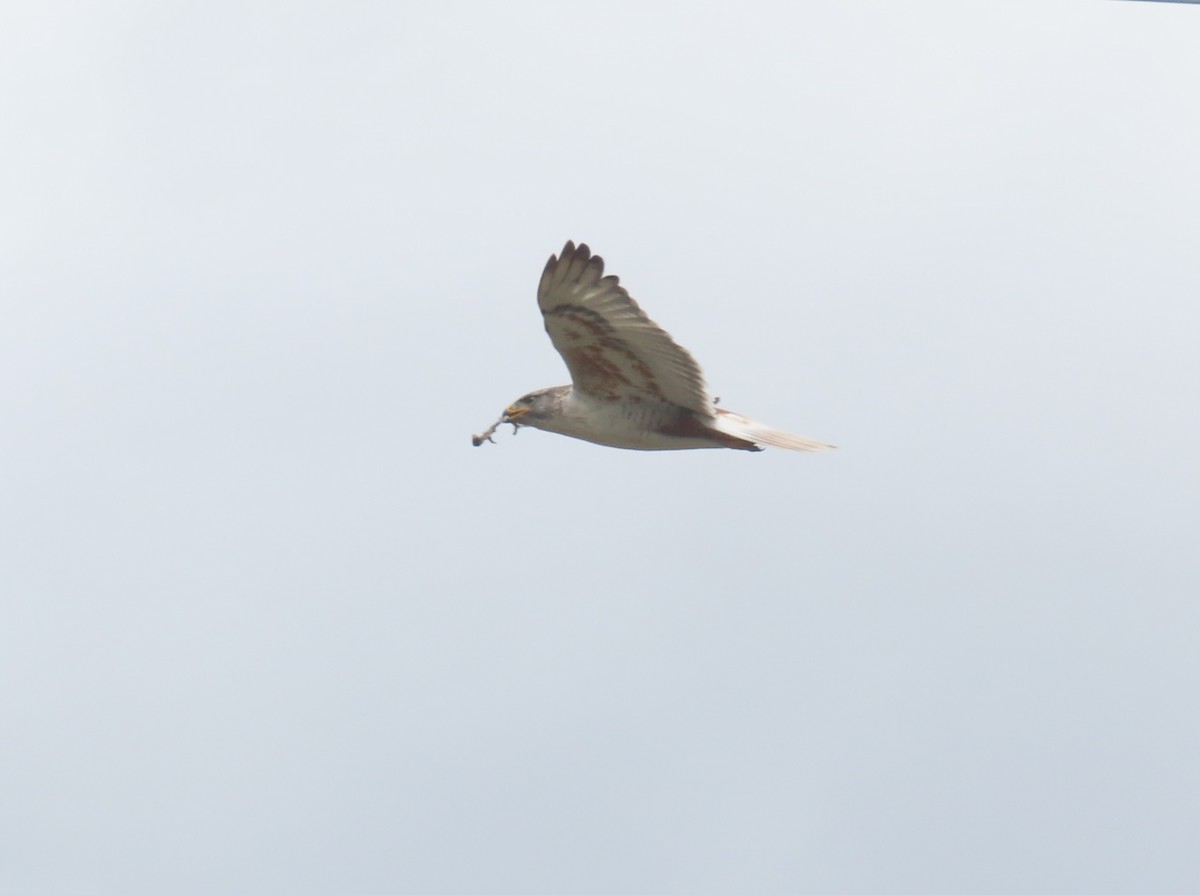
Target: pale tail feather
<point>737,425</point>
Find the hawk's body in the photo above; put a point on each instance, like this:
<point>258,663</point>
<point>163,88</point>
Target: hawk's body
<point>632,386</point>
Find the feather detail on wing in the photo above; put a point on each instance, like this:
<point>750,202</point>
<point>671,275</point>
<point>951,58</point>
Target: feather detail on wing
<point>613,350</point>
<point>737,425</point>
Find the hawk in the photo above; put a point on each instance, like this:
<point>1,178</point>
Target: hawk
<point>631,385</point>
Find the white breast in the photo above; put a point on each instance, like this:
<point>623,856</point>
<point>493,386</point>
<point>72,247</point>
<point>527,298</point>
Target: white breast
<point>623,424</point>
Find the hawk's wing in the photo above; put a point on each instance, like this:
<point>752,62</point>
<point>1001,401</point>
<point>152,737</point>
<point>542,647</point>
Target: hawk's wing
<point>611,347</point>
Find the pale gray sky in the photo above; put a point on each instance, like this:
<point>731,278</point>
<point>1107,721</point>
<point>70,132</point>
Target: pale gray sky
<point>271,624</point>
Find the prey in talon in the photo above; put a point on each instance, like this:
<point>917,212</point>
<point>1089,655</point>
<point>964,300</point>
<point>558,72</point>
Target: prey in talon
<point>510,416</point>
<point>477,440</point>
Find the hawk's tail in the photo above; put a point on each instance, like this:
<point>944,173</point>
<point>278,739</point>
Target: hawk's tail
<point>738,426</point>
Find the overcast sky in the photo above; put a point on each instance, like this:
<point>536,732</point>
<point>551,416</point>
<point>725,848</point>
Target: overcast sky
<point>271,625</point>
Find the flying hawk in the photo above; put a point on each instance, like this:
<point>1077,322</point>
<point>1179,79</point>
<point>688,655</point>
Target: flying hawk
<point>631,385</point>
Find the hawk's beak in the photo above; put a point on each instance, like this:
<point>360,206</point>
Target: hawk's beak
<point>513,412</point>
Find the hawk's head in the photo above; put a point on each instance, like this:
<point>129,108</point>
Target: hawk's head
<point>535,407</point>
